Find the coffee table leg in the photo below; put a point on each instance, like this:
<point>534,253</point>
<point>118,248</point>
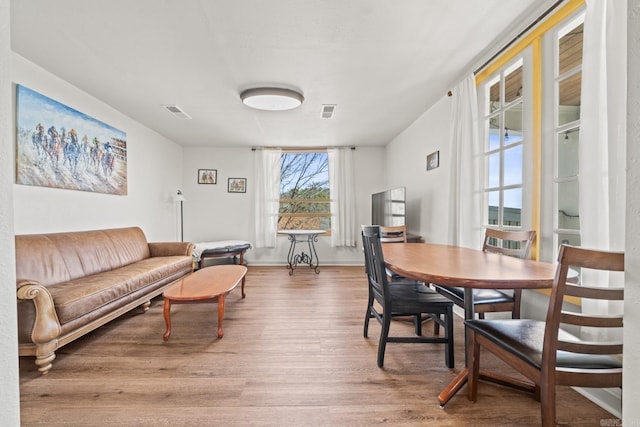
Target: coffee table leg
<point>167,318</point>
<point>243,277</point>
<point>220,315</point>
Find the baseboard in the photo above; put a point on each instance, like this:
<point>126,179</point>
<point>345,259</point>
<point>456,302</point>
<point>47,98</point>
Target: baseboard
<point>281,264</point>
<point>609,399</point>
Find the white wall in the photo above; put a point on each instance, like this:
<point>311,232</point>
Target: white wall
<point>631,386</point>
<point>9,390</point>
<point>153,167</point>
<point>405,165</point>
<point>211,213</point>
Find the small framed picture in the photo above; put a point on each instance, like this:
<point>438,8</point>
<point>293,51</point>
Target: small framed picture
<point>237,185</point>
<point>207,176</point>
<point>433,160</point>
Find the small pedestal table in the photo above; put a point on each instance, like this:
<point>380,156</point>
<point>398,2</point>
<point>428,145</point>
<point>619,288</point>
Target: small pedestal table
<point>303,236</point>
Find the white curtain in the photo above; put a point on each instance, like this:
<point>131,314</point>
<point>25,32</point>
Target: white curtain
<point>602,151</point>
<point>266,164</point>
<point>342,190</point>
<point>603,126</point>
<point>465,201</point>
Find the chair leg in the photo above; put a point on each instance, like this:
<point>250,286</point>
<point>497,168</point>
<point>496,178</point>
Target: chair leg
<point>384,334</point>
<point>367,317</point>
<point>548,403</point>
<point>436,326</point>
<point>449,349</point>
<point>517,299</point>
<point>417,322</point>
<point>474,367</point>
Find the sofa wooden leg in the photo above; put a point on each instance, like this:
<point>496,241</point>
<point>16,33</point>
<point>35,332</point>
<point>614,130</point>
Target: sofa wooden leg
<point>43,362</point>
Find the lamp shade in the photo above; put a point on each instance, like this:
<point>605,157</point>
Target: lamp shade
<point>271,98</point>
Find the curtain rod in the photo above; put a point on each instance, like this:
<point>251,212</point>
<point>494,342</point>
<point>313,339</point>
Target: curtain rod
<point>516,38</point>
<point>520,34</point>
<point>299,148</point>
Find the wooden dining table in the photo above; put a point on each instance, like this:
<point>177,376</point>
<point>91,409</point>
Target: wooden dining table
<point>469,269</point>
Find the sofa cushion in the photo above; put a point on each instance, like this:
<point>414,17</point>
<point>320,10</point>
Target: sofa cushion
<point>61,257</point>
<point>76,298</point>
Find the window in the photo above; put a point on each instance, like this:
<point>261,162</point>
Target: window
<point>531,95</point>
<point>504,147</point>
<point>567,88</point>
<point>304,191</point>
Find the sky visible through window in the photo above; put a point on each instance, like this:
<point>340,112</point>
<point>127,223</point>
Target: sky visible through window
<point>303,170</point>
<point>512,170</point>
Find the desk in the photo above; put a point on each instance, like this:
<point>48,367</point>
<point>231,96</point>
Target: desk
<point>310,237</point>
<point>467,268</point>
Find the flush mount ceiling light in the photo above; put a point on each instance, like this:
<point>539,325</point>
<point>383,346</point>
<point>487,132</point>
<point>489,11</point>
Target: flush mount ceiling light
<point>271,98</point>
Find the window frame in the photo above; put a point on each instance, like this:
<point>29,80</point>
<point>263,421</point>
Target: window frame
<point>561,129</point>
<point>485,113</point>
<point>541,159</point>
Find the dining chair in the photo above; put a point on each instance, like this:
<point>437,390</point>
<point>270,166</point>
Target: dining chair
<point>394,234</point>
<point>543,351</point>
<point>510,243</point>
<point>402,299</point>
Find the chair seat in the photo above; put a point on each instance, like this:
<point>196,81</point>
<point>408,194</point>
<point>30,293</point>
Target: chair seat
<point>480,296</point>
<point>414,297</point>
<point>524,338</point>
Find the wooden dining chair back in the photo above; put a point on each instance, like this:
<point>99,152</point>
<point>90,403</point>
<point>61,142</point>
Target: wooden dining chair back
<point>590,355</point>
<point>395,234</point>
<point>389,299</point>
<point>505,242</point>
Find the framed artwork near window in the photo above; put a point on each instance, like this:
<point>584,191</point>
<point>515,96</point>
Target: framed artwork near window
<point>433,160</point>
<point>207,176</point>
<point>237,185</point>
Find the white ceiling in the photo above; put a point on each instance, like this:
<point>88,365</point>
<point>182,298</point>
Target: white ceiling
<point>382,62</point>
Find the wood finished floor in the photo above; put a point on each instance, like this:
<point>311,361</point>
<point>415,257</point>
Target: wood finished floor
<point>293,354</point>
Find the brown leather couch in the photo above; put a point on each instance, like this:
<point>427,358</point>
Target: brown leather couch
<point>69,284</point>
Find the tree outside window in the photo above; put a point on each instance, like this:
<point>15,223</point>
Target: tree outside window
<point>304,191</point>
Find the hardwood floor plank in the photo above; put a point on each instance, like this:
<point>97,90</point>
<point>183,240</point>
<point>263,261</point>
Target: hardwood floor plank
<point>293,354</point>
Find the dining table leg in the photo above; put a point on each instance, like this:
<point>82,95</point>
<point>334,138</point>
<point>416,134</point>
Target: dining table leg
<point>460,379</point>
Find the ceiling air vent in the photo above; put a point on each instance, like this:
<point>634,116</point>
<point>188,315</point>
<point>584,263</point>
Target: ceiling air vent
<point>327,111</point>
<point>176,111</point>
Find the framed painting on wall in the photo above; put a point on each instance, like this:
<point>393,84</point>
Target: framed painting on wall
<point>237,185</point>
<point>59,147</point>
<point>433,160</point>
<point>207,176</point>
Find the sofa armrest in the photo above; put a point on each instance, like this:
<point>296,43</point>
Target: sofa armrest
<point>46,326</point>
<point>170,248</point>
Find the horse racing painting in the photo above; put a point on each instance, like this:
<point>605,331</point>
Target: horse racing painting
<point>60,147</point>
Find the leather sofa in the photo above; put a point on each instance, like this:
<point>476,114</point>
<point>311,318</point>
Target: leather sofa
<point>69,284</point>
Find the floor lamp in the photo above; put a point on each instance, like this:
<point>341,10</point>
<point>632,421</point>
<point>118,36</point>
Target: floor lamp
<point>180,198</point>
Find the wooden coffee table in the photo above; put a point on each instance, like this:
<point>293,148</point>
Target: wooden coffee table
<point>209,284</point>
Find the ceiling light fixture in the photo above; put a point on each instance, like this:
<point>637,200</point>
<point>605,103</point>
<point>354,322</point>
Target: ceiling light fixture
<point>271,98</point>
